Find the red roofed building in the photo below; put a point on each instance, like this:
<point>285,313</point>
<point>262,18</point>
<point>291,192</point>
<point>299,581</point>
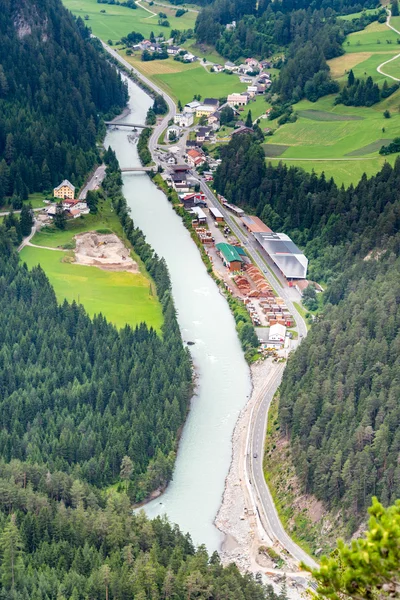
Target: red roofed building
<point>195,158</point>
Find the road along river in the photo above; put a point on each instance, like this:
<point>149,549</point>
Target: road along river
<point>223,377</point>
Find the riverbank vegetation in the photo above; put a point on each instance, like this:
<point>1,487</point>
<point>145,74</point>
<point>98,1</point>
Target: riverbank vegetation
<point>43,140</point>
<point>343,428</point>
<point>244,325</point>
<point>143,146</point>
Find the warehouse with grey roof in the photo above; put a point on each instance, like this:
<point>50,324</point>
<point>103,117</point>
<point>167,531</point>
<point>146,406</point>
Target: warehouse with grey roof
<point>284,253</point>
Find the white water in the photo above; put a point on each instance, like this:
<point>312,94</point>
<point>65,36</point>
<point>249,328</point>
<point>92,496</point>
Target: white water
<point>194,495</point>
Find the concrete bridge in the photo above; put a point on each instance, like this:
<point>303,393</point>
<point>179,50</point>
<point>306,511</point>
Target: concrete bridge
<point>137,169</point>
<point>131,125</point>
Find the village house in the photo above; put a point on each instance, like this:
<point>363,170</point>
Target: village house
<point>246,79</point>
<point>64,190</point>
<point>145,45</point>
<point>193,199</point>
<point>230,66</point>
<point>204,111</point>
<point>230,25</point>
<point>252,90</point>
<point>277,335</point>
<point>188,57</point>
<point>203,134</point>
<point>214,120</point>
<point>173,50</point>
<point>237,99</point>
<point>252,62</point>
<point>244,69</point>
<point>179,182</point>
<point>191,106</point>
<point>195,158</point>
<point>192,144</point>
<point>242,130</point>
<point>265,64</point>
<point>184,119</point>
<point>217,68</point>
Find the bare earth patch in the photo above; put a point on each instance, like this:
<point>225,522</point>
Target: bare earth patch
<point>105,251</point>
<point>341,64</point>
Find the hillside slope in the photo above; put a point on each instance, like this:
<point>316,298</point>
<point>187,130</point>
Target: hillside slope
<point>54,88</point>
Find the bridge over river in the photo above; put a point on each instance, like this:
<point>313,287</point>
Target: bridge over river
<point>137,169</point>
<point>131,125</point>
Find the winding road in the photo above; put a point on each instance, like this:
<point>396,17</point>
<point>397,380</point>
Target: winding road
<point>379,69</point>
<point>256,482</point>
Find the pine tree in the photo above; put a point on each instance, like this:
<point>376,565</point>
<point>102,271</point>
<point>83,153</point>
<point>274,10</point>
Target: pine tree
<point>11,551</point>
<point>126,470</point>
<point>26,219</point>
<point>60,218</point>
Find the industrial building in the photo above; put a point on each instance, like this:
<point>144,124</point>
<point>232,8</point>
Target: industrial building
<point>232,256</point>
<point>216,214</point>
<point>254,224</point>
<point>284,253</point>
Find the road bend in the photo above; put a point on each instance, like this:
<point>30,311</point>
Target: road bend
<point>258,422</point>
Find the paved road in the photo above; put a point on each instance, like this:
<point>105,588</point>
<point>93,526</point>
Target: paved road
<point>26,241</point>
<point>16,212</point>
<point>94,182</point>
<point>264,502</point>
<point>379,69</point>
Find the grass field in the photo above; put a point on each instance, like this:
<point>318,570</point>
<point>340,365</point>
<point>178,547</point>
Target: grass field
<point>124,298</point>
<point>342,141</point>
<point>157,67</point>
<point>118,21</point>
<point>182,86</point>
<point>357,15</point>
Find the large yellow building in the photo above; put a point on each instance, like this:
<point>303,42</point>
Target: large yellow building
<point>65,190</point>
<point>204,110</point>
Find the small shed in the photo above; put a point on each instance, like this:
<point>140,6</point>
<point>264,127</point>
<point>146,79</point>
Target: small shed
<point>216,214</point>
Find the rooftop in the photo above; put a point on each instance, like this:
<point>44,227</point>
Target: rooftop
<point>230,253</point>
<point>65,183</point>
<point>211,101</point>
<point>255,225</point>
<point>285,254</point>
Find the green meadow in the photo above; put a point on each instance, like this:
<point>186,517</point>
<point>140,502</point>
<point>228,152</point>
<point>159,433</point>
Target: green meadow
<point>183,85</point>
<point>123,298</point>
<point>118,21</point>
<point>342,141</point>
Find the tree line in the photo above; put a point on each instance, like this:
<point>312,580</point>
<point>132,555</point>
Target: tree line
<point>55,88</point>
<point>360,92</point>
<point>339,391</point>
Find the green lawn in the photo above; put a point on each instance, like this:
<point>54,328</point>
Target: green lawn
<point>118,21</point>
<point>182,86</point>
<point>123,298</point>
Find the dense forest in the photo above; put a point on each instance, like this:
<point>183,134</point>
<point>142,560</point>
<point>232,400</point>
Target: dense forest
<point>339,396</point>
<point>80,396</point>
<point>60,540</point>
<point>54,88</point>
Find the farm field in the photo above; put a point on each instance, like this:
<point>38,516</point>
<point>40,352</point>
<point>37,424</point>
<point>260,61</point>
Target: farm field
<point>182,86</point>
<point>342,141</point>
<point>157,67</point>
<point>377,37</point>
<point>122,297</point>
<point>118,21</point>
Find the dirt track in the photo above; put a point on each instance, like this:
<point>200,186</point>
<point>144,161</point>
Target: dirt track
<point>105,251</point>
